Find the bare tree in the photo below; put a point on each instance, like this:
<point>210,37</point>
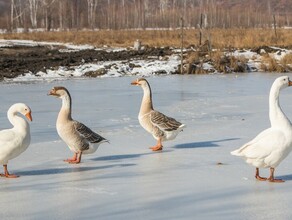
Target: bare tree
<point>16,14</point>
<point>47,4</point>
<point>61,14</point>
<point>12,14</point>
<point>33,9</point>
<point>115,14</point>
<point>91,12</point>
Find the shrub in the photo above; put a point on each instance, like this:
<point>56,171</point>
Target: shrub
<point>286,61</point>
<point>270,64</point>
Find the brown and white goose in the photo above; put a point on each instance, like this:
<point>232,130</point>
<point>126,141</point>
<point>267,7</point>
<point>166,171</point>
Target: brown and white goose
<point>16,140</point>
<point>79,138</point>
<point>162,128</point>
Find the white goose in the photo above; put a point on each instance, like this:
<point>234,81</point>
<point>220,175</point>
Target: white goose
<point>272,145</point>
<point>79,138</point>
<point>16,140</point>
<point>162,128</point>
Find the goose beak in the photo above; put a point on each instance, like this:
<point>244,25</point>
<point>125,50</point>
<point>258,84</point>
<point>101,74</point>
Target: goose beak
<point>51,92</point>
<point>28,116</point>
<point>290,83</point>
<point>135,83</point>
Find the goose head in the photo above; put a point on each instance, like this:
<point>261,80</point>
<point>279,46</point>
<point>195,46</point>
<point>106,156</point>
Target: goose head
<point>282,82</point>
<point>59,92</point>
<point>22,109</point>
<point>140,82</point>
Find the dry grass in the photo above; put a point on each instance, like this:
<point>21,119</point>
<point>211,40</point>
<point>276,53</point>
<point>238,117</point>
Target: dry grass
<point>221,62</point>
<point>270,64</point>
<point>238,64</point>
<point>249,38</point>
<point>286,61</point>
<point>220,38</point>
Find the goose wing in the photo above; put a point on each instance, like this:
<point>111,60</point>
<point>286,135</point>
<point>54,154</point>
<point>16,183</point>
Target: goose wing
<point>164,122</point>
<point>263,145</point>
<point>8,142</point>
<point>87,133</point>
<point>6,136</point>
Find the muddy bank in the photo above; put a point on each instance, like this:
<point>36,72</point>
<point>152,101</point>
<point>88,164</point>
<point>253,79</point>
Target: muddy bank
<point>18,60</point>
<point>44,60</point>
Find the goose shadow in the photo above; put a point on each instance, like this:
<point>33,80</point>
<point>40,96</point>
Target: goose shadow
<point>128,156</point>
<point>119,157</point>
<point>202,144</point>
<point>287,177</point>
<point>73,169</point>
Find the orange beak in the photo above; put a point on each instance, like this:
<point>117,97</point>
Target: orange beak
<point>135,83</point>
<point>290,83</point>
<point>51,92</point>
<point>28,116</point>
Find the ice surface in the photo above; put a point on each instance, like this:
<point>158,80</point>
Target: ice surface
<point>194,177</point>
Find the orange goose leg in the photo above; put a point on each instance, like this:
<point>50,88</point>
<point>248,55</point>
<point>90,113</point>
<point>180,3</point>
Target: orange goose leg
<point>74,158</point>
<point>258,177</point>
<point>78,158</point>
<point>158,146</point>
<point>272,179</point>
<point>6,173</point>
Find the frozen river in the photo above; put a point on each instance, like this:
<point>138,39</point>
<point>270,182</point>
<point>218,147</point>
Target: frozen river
<point>194,177</point>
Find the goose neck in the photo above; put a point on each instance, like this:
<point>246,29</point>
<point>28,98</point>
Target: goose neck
<point>276,114</point>
<point>146,105</point>
<point>18,122</point>
<point>65,111</point>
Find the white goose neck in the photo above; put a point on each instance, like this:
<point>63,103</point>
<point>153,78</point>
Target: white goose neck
<point>277,116</point>
<point>18,122</point>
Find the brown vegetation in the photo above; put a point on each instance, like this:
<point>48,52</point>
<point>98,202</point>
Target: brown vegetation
<point>270,64</point>
<point>220,38</point>
<point>286,61</point>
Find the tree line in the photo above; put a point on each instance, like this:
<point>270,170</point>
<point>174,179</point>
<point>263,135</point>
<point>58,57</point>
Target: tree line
<point>139,14</point>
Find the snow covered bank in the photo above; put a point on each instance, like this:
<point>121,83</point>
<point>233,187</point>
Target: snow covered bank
<point>261,59</point>
<point>87,65</point>
<point>103,62</point>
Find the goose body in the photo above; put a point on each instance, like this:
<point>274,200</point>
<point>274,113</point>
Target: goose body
<point>270,147</point>
<point>162,127</point>
<point>16,140</point>
<point>79,138</point>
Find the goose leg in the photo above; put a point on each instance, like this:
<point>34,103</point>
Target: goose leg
<point>158,146</point>
<point>78,158</point>
<point>272,179</point>
<point>7,174</point>
<point>258,177</point>
<point>74,158</point>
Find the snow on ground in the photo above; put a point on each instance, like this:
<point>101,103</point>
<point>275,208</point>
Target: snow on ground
<point>280,53</point>
<point>194,177</point>
<point>255,60</point>
<point>31,43</point>
<point>114,68</point>
<point>68,47</point>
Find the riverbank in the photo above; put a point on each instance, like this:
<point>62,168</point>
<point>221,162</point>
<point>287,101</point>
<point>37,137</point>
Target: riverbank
<point>34,60</point>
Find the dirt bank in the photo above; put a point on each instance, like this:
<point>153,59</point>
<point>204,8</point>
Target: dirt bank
<point>18,60</point>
